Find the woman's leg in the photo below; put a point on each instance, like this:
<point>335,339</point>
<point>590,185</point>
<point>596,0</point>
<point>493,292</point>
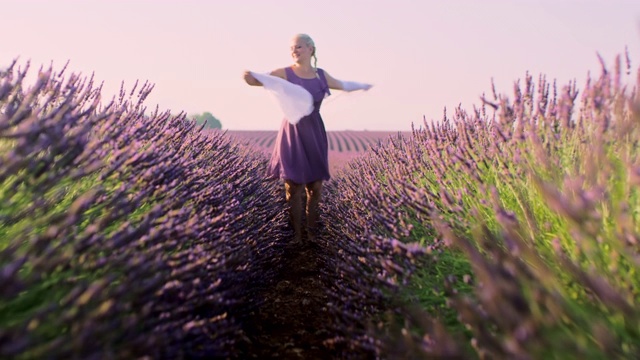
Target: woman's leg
<point>314,193</point>
<point>294,194</point>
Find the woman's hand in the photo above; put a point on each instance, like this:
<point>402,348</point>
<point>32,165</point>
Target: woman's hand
<point>250,79</point>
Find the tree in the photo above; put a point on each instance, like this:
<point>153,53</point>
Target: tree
<point>211,121</point>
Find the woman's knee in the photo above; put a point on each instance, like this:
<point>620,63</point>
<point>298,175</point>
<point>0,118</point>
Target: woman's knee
<point>293,190</point>
<point>314,188</point>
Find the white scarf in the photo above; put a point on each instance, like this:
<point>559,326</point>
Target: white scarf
<point>294,100</point>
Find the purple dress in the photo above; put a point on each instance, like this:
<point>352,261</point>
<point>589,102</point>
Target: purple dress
<point>301,151</point>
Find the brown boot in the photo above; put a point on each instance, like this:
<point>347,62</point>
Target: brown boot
<point>314,193</point>
<point>294,194</point>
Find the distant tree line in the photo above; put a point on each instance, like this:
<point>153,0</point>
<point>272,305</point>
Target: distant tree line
<point>206,117</point>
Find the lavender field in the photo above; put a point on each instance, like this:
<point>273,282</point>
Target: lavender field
<point>510,230</point>
<point>344,146</point>
<point>339,141</point>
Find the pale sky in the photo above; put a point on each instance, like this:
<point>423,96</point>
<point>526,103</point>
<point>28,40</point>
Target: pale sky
<point>421,55</point>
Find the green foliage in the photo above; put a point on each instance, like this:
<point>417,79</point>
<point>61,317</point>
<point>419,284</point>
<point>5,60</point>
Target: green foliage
<point>208,119</point>
<point>548,220</point>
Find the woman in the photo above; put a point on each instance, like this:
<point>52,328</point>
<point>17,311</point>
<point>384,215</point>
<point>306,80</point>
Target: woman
<point>300,156</point>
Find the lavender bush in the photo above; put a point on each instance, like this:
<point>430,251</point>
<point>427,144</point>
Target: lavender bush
<point>125,235</point>
<point>530,217</point>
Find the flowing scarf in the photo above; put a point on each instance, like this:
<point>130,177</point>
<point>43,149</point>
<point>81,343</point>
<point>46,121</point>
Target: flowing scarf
<point>294,100</point>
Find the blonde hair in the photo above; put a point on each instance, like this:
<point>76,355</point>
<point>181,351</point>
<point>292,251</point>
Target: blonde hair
<point>309,41</point>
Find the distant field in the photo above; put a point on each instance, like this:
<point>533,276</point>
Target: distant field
<point>343,145</point>
<point>340,141</point>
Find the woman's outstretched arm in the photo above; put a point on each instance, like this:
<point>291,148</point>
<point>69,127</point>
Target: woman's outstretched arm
<point>345,85</point>
<point>251,80</point>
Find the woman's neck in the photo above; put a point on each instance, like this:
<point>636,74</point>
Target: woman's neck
<point>303,66</point>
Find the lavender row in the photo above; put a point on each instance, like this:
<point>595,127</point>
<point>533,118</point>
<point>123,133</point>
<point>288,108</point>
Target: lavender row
<point>125,235</point>
<point>539,197</point>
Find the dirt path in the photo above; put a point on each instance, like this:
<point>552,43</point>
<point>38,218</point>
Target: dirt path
<point>292,322</point>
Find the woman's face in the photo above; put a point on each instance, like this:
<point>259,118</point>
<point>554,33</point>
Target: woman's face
<point>300,51</point>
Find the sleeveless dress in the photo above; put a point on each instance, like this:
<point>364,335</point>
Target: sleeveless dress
<point>301,152</point>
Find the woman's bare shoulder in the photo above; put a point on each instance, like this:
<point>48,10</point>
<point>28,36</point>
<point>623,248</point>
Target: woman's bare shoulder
<point>281,73</point>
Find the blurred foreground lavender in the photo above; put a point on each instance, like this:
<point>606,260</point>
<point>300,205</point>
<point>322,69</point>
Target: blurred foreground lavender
<point>125,235</point>
<point>530,218</point>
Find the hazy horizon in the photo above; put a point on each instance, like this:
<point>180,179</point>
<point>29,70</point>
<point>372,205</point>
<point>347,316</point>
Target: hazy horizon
<point>420,56</point>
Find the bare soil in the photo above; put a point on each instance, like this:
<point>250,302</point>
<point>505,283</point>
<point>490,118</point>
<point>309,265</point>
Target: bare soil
<point>292,324</point>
